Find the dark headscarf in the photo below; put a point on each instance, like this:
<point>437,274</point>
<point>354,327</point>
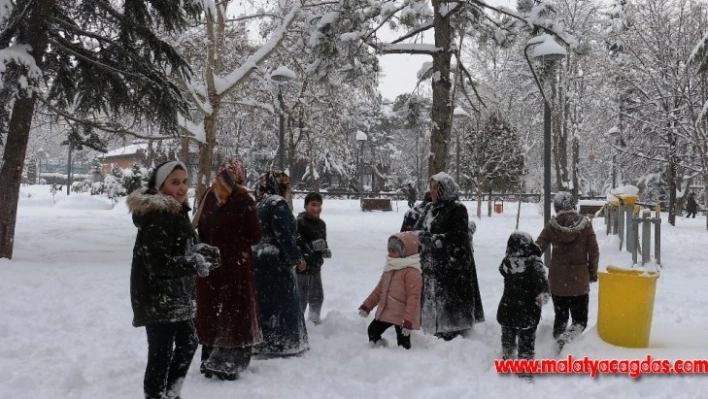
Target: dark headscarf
<point>521,245</point>
<point>273,182</point>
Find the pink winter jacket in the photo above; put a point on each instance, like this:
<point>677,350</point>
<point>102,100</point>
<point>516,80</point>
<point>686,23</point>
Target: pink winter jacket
<point>397,294</point>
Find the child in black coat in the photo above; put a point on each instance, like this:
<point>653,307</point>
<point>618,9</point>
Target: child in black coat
<point>312,241</point>
<point>525,292</point>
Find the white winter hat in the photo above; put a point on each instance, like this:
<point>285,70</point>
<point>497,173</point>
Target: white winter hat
<point>164,170</point>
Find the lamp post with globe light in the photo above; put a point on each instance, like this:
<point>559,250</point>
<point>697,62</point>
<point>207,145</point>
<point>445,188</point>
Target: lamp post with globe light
<point>281,75</point>
<point>546,50</point>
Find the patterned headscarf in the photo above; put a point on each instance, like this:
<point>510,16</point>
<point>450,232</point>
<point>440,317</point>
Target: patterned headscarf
<point>230,174</point>
<point>273,182</point>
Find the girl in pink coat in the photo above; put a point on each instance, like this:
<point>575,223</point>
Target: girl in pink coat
<point>397,294</point>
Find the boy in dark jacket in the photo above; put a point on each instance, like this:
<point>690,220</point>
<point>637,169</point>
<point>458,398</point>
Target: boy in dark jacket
<point>525,291</point>
<point>312,240</point>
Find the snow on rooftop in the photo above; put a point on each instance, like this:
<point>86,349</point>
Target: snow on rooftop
<point>127,150</point>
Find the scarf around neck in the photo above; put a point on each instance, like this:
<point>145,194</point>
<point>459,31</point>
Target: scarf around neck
<point>401,263</point>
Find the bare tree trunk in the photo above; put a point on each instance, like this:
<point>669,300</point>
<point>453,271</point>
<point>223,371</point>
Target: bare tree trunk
<point>479,201</point>
<point>705,195</point>
<point>11,172</point>
<point>671,177</point>
<point>206,153</point>
<point>215,25</point>
<point>576,165</point>
<point>442,109</point>
<point>35,35</point>
<point>489,204</point>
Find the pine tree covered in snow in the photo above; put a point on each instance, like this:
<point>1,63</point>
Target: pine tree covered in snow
<point>78,59</point>
<point>117,172</point>
<point>497,162</point>
<point>133,180</point>
<point>32,171</point>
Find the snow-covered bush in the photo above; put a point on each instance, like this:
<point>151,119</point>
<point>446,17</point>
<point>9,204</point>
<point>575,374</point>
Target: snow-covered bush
<point>113,187</point>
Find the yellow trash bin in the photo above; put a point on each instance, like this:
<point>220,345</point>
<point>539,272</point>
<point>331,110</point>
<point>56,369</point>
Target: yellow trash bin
<point>625,306</point>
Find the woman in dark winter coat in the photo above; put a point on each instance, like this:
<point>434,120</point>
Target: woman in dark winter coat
<point>276,256</point>
<point>227,310</point>
<point>573,265</point>
<point>165,261</point>
<point>525,291</point>
<point>451,297</point>
<point>412,215</point>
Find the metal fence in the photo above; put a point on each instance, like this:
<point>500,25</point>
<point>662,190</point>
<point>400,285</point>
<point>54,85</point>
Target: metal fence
<point>397,196</point>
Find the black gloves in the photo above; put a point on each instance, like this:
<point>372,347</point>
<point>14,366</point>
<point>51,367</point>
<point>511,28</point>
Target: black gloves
<point>425,239</point>
<point>206,257</point>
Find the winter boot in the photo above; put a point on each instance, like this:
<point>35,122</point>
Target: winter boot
<point>378,343</point>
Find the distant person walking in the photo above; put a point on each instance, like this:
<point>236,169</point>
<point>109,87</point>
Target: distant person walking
<point>691,205</point>
<point>573,267</point>
<point>412,195</point>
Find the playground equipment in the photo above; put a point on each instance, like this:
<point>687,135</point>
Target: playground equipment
<point>622,219</point>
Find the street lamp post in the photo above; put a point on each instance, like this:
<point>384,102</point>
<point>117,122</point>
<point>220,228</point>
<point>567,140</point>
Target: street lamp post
<point>361,138</point>
<point>547,51</point>
<point>281,75</point>
<point>614,134</point>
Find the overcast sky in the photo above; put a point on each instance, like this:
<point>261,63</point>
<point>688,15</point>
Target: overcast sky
<point>399,70</point>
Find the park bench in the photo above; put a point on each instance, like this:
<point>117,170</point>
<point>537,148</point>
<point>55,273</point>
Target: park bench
<point>375,204</point>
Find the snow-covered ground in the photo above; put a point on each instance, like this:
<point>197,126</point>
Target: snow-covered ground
<point>65,330</point>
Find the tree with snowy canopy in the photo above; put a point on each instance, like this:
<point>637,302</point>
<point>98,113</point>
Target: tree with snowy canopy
<point>32,171</point>
<point>134,180</point>
<point>361,21</point>
<point>496,162</point>
<point>78,59</point>
<point>96,170</point>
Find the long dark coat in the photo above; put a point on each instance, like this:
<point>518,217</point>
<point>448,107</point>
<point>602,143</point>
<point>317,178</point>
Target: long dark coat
<point>691,203</point>
<point>524,280</point>
<point>161,274</point>
<point>451,297</point>
<point>227,306</point>
<point>281,318</point>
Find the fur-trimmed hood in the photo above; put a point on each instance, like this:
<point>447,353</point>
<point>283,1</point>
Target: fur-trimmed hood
<point>569,224</point>
<point>141,202</point>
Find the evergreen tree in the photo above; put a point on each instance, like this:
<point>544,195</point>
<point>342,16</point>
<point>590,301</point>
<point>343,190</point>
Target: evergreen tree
<point>117,172</point>
<point>96,170</point>
<point>78,59</point>
<point>134,180</point>
<point>32,171</point>
<point>497,163</point>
